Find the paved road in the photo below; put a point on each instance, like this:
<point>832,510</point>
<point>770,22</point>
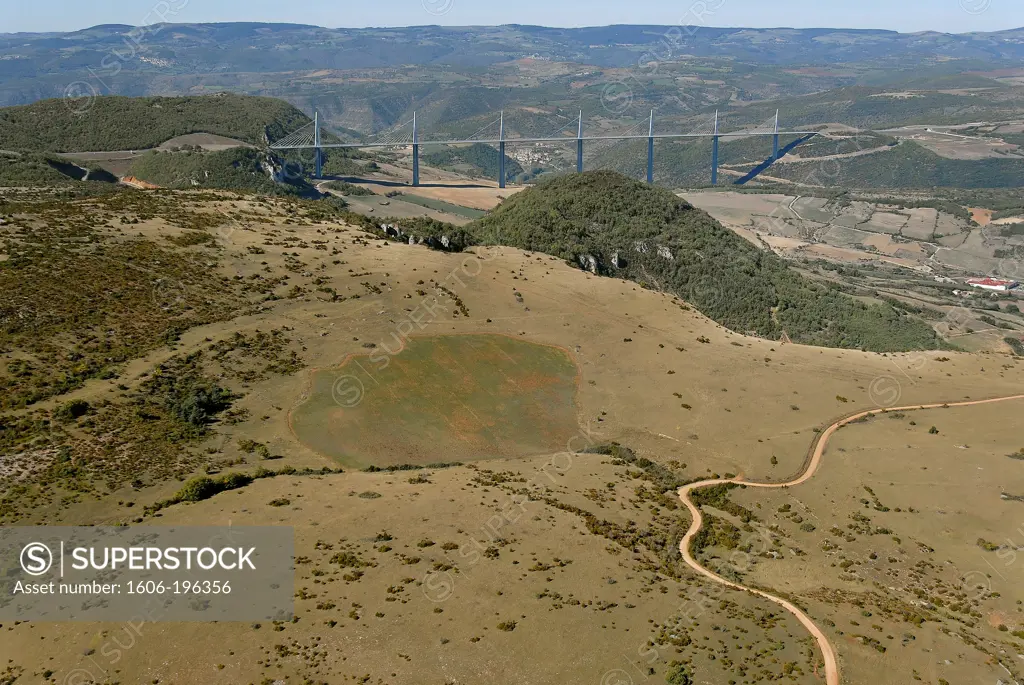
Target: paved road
<point>811,466</point>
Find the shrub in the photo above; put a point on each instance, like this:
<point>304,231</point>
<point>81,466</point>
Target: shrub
<point>198,404</point>
<point>986,545</point>
<point>69,411</point>
<point>233,481</point>
<point>190,238</point>
<point>204,487</point>
<point>678,675</point>
<point>348,560</point>
<point>198,489</point>
<point>247,446</point>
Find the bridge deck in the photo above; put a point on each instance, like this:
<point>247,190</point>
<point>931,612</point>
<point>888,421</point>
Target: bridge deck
<point>562,139</point>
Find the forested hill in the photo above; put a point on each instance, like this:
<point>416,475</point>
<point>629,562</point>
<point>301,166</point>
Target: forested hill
<point>123,123</point>
<point>617,226</point>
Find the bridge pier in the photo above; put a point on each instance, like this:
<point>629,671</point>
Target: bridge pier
<point>318,159</point>
<point>501,165</point>
<point>415,153</point>
<point>714,154</point>
<point>650,150</point>
<point>650,160</point>
<point>714,161</point>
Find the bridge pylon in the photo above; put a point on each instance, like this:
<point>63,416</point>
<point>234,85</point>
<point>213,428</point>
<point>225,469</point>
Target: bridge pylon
<point>775,139</point>
<point>579,146</point>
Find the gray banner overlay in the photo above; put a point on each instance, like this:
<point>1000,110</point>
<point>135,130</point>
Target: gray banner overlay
<point>149,573</point>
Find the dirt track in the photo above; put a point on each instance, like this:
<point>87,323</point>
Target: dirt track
<point>810,467</point>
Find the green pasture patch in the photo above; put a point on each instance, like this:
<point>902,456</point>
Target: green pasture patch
<point>442,399</point>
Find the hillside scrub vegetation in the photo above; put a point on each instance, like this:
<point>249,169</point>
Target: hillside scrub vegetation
<point>483,158</point>
<point>74,313</point>
<point>337,161</point>
<point>125,123</point>
<point>234,169</point>
<point>613,225</point>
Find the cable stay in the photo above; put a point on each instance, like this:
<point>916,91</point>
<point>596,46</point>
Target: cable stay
<point>768,126</point>
<point>400,135</point>
<point>705,128</point>
<point>303,137</point>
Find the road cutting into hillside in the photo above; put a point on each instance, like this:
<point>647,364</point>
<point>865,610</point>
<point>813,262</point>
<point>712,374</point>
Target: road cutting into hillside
<point>810,466</point>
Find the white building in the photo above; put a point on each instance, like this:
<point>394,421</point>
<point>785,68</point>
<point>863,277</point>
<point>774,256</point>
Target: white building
<point>997,284</point>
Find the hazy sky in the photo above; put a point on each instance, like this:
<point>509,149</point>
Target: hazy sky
<point>900,15</point>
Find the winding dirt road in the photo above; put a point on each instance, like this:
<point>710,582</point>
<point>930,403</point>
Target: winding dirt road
<point>810,466</point>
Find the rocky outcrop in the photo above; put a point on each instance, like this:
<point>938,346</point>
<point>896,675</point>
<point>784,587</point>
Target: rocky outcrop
<point>275,172</point>
<point>588,262</point>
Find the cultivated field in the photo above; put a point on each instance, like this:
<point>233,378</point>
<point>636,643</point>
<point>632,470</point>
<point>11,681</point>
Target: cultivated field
<point>918,255</point>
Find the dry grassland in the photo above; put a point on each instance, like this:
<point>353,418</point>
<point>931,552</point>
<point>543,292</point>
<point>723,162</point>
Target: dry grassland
<point>562,568</point>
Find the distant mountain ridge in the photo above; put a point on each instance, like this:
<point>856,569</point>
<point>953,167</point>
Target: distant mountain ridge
<point>609,46</point>
<point>170,49</point>
<point>286,60</point>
